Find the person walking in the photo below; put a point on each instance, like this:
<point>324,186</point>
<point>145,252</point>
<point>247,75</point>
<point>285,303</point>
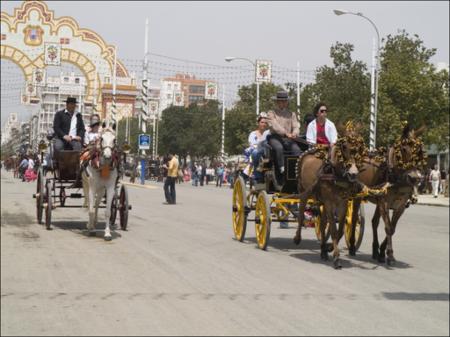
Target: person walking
<point>220,173</point>
<point>169,183</point>
<point>435,179</point>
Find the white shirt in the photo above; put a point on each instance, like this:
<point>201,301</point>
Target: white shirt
<point>330,132</point>
<point>254,140</point>
<point>73,125</point>
<point>90,137</point>
<point>30,164</point>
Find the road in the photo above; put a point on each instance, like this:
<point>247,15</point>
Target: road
<point>178,271</point>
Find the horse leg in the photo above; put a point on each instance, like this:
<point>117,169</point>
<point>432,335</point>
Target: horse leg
<point>334,237</point>
<point>356,207</point>
<point>301,218</point>
<point>109,196</point>
<point>91,199</point>
<point>85,189</point>
<point>384,212</point>
<point>375,243</point>
<point>390,251</point>
<point>324,249</point>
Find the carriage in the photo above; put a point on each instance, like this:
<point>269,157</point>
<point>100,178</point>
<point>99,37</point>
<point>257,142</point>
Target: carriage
<point>53,192</point>
<point>277,201</point>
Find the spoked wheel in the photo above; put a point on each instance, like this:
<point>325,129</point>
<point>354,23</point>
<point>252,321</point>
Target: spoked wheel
<point>49,204</point>
<point>263,219</point>
<point>123,207</point>
<point>40,196</point>
<point>113,216</point>
<point>239,209</point>
<point>359,229</point>
<point>317,219</point>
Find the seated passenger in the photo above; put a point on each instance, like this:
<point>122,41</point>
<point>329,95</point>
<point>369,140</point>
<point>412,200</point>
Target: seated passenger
<point>256,141</point>
<point>93,133</point>
<point>321,130</point>
<point>284,128</point>
<point>69,127</point>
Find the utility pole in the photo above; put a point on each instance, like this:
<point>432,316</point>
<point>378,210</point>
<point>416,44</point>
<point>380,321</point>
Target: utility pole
<point>222,149</point>
<point>144,93</point>
<point>298,90</point>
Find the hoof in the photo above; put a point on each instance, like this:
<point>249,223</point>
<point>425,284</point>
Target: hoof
<point>330,247</point>
<point>337,264</point>
<point>352,251</point>
<point>107,238</point>
<point>381,259</point>
<point>297,240</point>
<point>390,261</point>
<point>324,256</point>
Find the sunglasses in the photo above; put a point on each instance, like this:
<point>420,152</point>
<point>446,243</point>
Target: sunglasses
<point>323,110</point>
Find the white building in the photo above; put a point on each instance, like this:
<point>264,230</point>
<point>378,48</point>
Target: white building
<point>11,123</point>
<point>54,93</point>
<point>167,94</point>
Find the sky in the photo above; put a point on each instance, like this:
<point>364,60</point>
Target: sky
<point>285,32</point>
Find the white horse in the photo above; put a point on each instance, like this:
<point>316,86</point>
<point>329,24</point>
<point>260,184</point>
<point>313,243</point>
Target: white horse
<point>101,174</point>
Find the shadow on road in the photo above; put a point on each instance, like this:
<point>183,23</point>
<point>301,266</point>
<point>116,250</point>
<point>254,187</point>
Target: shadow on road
<point>402,296</point>
<point>79,227</point>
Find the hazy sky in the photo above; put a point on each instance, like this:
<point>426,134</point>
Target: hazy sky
<point>284,32</point>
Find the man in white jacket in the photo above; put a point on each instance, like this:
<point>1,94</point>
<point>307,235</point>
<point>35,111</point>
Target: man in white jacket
<point>321,130</point>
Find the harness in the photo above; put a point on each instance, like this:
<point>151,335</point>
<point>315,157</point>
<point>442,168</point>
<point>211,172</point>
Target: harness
<point>92,155</point>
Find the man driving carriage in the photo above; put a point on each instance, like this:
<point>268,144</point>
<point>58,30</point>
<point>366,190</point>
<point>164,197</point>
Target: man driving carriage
<point>69,127</point>
<point>284,129</point>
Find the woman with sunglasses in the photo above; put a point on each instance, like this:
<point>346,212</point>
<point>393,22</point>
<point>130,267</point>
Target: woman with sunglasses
<point>321,130</point>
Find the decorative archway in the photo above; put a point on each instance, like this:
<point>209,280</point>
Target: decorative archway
<point>25,33</point>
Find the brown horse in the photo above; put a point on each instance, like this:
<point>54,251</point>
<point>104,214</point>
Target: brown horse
<point>397,174</point>
<point>331,180</point>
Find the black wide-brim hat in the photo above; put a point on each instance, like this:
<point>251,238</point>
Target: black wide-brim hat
<point>71,100</point>
<point>281,96</point>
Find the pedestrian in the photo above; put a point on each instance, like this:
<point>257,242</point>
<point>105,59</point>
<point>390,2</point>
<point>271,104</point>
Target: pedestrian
<point>220,173</point>
<point>435,179</point>
<point>169,183</point>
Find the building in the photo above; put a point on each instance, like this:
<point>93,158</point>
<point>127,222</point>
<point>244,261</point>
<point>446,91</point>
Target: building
<point>126,92</point>
<point>11,123</point>
<point>53,94</point>
<point>184,90</point>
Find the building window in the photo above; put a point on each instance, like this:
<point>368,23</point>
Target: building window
<point>77,80</point>
<point>197,89</point>
<point>169,86</point>
<point>195,99</point>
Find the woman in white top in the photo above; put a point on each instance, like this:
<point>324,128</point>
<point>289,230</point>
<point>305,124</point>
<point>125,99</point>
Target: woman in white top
<point>93,133</point>
<point>256,139</point>
<point>321,130</point>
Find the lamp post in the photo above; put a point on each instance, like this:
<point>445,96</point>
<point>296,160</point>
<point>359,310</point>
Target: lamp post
<point>374,79</point>
<point>232,58</point>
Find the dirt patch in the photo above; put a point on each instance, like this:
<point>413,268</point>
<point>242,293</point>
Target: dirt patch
<point>27,236</point>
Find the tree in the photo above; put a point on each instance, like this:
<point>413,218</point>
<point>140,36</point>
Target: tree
<point>133,135</point>
<point>410,89</point>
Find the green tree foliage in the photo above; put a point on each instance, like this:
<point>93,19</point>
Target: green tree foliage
<point>344,87</point>
<point>194,131</point>
<point>410,89</point>
<point>133,123</point>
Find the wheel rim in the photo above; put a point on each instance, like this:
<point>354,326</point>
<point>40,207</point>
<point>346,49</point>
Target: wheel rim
<point>123,208</point>
<point>239,215</point>
<point>48,208</point>
<point>262,220</point>
<point>112,218</point>
<point>39,197</point>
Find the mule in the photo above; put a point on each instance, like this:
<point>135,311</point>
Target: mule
<point>331,180</point>
<point>398,173</point>
<point>100,175</point>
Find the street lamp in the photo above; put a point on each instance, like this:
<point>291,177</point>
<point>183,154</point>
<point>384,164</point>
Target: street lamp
<point>232,58</point>
<point>373,82</point>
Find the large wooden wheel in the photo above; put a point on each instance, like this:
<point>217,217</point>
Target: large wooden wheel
<point>48,204</point>
<point>263,219</point>
<point>359,229</point>
<point>123,207</point>
<point>40,196</point>
<point>113,216</point>
<point>239,209</point>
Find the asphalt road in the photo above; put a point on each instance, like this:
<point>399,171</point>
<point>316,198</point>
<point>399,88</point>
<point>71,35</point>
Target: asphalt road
<point>178,271</point>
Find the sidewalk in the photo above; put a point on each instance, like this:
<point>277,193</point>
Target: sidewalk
<point>428,199</point>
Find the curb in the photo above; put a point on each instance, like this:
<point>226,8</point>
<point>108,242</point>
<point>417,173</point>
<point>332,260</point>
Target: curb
<point>430,204</point>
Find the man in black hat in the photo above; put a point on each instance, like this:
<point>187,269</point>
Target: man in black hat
<point>284,128</point>
<point>69,127</point>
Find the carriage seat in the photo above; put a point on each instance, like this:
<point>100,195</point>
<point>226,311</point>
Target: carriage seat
<point>67,164</point>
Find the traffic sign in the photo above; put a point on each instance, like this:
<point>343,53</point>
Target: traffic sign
<point>144,142</point>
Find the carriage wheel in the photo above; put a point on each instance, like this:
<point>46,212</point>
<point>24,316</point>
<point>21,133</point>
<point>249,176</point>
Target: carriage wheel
<point>239,206</point>
<point>359,230</point>
<point>48,207</point>
<point>123,207</point>
<point>263,219</point>
<point>317,219</point>
<point>40,196</point>
<point>113,216</point>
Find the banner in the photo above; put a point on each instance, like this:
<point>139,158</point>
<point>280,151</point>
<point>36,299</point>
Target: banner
<point>178,98</point>
<point>52,54</point>
<point>30,89</point>
<point>38,77</point>
<point>211,90</point>
<point>263,71</point>
<point>24,98</point>
<point>153,107</point>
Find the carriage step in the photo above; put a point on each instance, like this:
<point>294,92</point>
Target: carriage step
<point>76,195</point>
<point>34,195</point>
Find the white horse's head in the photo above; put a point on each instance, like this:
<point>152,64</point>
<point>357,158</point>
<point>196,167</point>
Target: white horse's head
<point>107,145</point>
